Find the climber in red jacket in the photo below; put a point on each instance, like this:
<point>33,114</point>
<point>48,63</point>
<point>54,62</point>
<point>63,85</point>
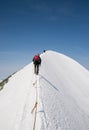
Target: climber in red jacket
<point>36,62</point>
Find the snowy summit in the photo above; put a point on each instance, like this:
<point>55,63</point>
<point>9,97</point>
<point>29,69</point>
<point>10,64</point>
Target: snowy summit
<point>56,99</point>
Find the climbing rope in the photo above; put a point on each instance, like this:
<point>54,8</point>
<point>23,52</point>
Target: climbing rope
<point>35,106</point>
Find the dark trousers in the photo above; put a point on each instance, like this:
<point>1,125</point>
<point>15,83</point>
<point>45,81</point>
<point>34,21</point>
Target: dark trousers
<point>36,68</point>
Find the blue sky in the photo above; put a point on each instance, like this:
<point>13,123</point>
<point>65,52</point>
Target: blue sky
<point>30,26</point>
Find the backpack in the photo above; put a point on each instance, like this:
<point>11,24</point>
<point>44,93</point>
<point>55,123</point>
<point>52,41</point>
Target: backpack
<point>36,58</point>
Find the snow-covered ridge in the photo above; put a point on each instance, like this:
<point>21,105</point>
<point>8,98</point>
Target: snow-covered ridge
<point>63,96</point>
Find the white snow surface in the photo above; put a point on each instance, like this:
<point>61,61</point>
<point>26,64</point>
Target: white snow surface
<point>61,90</point>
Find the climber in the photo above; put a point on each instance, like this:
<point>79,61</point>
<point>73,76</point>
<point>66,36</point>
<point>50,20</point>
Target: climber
<point>37,63</point>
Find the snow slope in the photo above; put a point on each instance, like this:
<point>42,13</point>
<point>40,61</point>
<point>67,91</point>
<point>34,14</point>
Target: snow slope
<point>61,91</point>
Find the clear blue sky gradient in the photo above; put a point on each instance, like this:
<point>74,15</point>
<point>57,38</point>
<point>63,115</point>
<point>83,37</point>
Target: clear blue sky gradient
<point>30,26</point>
